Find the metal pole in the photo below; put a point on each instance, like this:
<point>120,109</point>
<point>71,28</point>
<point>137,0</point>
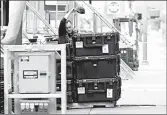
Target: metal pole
<point>2,13</point>
<point>101,26</point>
<point>56,14</point>
<point>26,19</point>
<point>94,19</point>
<point>63,80</point>
<point>94,23</point>
<point>136,55</point>
<point>74,15</point>
<point>145,24</point>
<point>7,79</point>
<point>35,20</point>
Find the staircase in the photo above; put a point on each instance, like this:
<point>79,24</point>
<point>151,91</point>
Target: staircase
<point>125,71</point>
<point>40,17</point>
<point>47,30</point>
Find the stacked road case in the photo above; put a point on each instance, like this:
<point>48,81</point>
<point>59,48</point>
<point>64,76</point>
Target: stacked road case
<point>97,67</point>
<point>1,87</point>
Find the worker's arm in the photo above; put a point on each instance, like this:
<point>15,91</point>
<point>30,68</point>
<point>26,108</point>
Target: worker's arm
<point>62,26</point>
<point>67,15</point>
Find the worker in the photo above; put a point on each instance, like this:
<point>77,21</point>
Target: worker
<point>65,28</point>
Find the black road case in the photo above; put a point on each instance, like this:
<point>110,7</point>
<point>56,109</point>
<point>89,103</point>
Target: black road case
<point>1,99</point>
<point>98,90</point>
<point>1,75</point>
<point>96,44</point>
<point>1,91</point>
<point>96,67</point>
<point>1,63</point>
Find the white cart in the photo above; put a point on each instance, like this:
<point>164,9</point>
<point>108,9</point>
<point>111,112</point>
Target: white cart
<point>14,57</point>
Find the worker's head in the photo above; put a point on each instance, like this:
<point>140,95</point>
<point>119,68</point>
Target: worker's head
<point>69,26</point>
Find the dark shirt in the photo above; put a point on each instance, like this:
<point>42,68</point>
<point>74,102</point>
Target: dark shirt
<point>64,37</point>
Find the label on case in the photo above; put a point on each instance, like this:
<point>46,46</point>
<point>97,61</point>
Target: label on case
<point>109,93</point>
<point>105,48</point>
<point>79,44</point>
<point>81,90</point>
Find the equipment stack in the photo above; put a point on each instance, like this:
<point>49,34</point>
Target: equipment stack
<point>97,67</point>
<point>1,86</point>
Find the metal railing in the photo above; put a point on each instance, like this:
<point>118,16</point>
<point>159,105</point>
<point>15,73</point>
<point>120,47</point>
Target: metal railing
<point>126,71</point>
<point>40,17</point>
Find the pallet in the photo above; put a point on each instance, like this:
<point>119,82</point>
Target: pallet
<point>92,105</point>
<point>89,105</point>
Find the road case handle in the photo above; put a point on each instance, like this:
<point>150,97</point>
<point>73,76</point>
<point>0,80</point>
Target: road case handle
<point>93,45</point>
<point>96,91</point>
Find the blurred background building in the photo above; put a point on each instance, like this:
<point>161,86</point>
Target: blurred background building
<point>153,17</point>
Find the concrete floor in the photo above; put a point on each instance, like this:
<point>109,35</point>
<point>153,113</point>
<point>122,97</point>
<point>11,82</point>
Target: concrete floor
<point>121,110</point>
<point>130,110</point>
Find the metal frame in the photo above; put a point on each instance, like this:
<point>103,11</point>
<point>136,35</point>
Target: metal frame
<point>2,13</point>
<point>133,19</point>
<point>9,49</point>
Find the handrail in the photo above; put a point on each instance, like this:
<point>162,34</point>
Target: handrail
<point>40,17</point>
<point>108,23</point>
<point>25,34</point>
<point>127,67</point>
<point>124,73</point>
